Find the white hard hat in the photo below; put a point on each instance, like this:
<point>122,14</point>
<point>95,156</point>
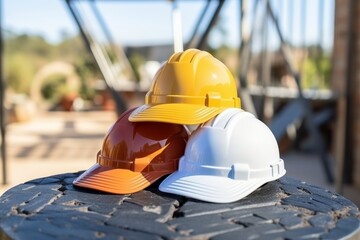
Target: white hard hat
<point>226,159</point>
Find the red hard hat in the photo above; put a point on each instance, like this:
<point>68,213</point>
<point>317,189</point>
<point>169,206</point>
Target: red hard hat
<point>134,155</point>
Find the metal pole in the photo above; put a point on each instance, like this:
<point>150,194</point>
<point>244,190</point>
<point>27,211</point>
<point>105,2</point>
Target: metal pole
<point>266,103</point>
<point>321,21</point>
<point>204,37</point>
<point>246,39</point>
<point>284,48</point>
<point>100,61</point>
<point>118,50</point>
<point>290,18</point>
<point>191,42</point>
<point>303,21</point>
<point>2,110</point>
<point>177,27</point>
<point>245,56</point>
<point>241,18</point>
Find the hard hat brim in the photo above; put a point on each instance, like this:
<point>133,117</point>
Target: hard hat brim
<point>208,188</point>
<point>179,113</point>
<point>116,180</point>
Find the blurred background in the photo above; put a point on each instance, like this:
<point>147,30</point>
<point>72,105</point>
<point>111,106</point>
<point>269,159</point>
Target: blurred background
<point>70,67</point>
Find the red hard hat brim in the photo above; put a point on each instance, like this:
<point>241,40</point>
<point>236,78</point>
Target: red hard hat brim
<point>116,180</point>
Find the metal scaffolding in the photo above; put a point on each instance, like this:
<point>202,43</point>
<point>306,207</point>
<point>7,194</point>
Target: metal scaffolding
<point>298,108</point>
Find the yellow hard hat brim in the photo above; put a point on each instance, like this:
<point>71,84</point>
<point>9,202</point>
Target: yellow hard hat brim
<point>116,180</point>
<point>178,113</point>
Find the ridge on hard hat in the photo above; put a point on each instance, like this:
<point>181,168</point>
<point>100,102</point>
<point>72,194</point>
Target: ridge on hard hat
<point>190,88</point>
<point>226,159</point>
<point>134,155</point>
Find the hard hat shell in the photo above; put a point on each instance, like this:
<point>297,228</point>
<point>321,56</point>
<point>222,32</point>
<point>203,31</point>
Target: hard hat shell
<point>226,159</point>
<point>190,88</point>
<point>134,155</point>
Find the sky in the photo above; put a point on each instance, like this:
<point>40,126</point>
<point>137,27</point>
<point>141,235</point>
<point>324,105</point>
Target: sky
<point>149,22</point>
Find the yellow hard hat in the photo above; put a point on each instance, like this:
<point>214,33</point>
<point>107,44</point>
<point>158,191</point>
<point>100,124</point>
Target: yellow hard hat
<point>190,88</point>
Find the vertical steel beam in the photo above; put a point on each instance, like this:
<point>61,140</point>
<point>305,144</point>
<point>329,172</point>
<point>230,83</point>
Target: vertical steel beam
<point>2,109</point>
<point>351,89</point>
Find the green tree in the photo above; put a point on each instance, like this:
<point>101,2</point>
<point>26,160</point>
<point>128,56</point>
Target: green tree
<point>19,71</point>
<point>54,87</point>
<point>71,50</point>
<point>25,54</point>
<point>88,72</point>
<point>316,72</point>
<point>33,46</point>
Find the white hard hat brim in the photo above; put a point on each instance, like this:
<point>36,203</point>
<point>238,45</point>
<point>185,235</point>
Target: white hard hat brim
<point>208,188</point>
